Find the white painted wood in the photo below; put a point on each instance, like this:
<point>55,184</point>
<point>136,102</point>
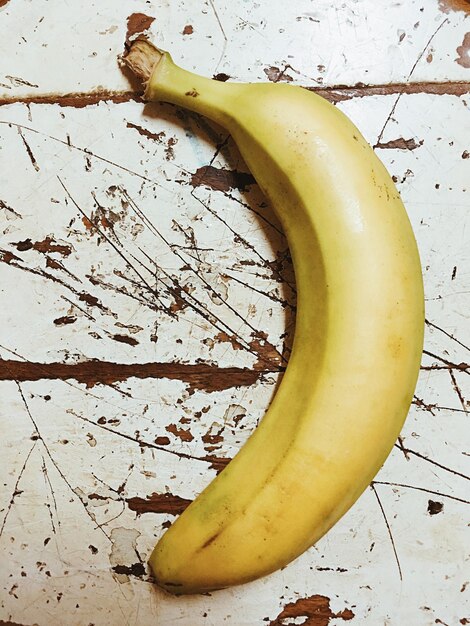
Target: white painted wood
<point>76,459</point>
<point>51,46</point>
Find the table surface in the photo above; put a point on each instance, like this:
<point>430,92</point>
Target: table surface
<point>148,306</point>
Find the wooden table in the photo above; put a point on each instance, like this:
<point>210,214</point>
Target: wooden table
<point>148,306</point>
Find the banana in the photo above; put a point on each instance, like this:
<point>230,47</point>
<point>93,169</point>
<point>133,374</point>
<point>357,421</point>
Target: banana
<point>358,339</point>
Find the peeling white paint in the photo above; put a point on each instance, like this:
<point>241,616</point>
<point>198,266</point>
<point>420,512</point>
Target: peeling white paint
<point>87,192</point>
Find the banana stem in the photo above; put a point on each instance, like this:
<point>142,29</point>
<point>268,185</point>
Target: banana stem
<point>167,82</point>
<point>142,58</point>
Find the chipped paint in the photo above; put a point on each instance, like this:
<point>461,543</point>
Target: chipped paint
<point>220,179</point>
<point>315,609</point>
<point>137,24</point>
<point>276,75</point>
<point>237,40</point>
<point>463,52</point>
<point>158,503</point>
<point>148,306</point>
<point>435,507</point>
<point>446,6</point>
<point>124,558</point>
<point>332,94</point>
<point>90,373</point>
<point>77,100</point>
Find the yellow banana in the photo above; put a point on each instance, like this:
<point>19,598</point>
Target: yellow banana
<point>358,339</point>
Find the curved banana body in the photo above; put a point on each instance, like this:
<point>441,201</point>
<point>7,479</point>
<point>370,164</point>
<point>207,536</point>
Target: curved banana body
<point>358,340</point>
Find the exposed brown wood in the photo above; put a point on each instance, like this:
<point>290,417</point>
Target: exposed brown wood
<point>137,23</point>
<point>339,93</point>
<point>336,93</point>
<point>446,6</point>
<point>198,376</point>
<point>316,609</point>
<point>463,52</point>
<point>399,144</point>
<point>47,245</point>
<point>77,100</point>
<point>220,179</point>
<point>158,503</point>
<point>158,137</point>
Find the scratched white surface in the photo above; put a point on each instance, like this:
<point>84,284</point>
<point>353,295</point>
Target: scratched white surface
<point>112,251</point>
<point>57,46</point>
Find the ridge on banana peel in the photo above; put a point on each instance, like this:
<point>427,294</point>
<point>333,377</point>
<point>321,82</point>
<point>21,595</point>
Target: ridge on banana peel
<point>358,339</point>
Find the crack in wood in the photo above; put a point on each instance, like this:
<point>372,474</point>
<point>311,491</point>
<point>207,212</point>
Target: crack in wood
<point>462,367</point>
<point>422,405</point>
<point>401,445</point>
<point>77,100</point>
<point>457,390</point>
<point>333,93</point>
<point>158,137</point>
<point>198,376</point>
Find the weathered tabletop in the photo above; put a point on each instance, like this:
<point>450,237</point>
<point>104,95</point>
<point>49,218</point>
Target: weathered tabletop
<point>148,305</point>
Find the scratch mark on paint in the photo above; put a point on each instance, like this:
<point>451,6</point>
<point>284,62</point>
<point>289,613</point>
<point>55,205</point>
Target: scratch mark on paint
<point>28,151</point>
<point>16,491</point>
<point>389,531</point>
<point>52,459</point>
<point>392,111</point>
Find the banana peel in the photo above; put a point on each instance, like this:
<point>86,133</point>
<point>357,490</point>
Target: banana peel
<point>358,340</point>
